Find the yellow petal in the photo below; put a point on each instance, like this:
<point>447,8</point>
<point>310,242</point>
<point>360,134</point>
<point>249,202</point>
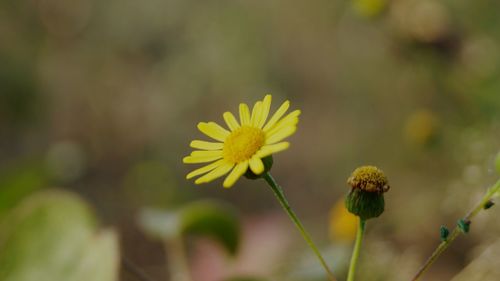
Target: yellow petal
<point>206,153</point>
<point>266,106</point>
<point>290,120</point>
<point>244,114</point>
<point>213,130</point>
<point>204,169</point>
<point>281,134</point>
<point>198,144</point>
<point>231,121</point>
<point>283,108</point>
<point>256,165</point>
<point>223,169</point>
<point>235,174</point>
<point>267,150</point>
<point>280,126</point>
<point>256,114</point>
<point>198,159</point>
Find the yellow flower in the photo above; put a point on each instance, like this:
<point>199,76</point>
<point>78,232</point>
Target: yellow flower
<point>245,143</point>
<point>343,225</point>
<point>369,8</point>
<point>422,127</point>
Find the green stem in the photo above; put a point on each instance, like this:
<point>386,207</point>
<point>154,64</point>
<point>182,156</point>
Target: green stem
<point>456,231</point>
<point>356,250</point>
<point>278,192</point>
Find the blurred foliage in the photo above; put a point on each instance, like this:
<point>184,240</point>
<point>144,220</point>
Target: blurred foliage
<point>18,181</point>
<point>422,128</point>
<point>369,8</point>
<point>102,98</point>
<point>151,182</point>
<point>210,218</point>
<point>52,235</point>
<point>65,162</point>
<point>18,96</point>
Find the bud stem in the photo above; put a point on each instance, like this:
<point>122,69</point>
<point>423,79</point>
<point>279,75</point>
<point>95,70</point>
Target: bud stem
<point>278,192</point>
<point>492,191</point>
<point>357,249</point>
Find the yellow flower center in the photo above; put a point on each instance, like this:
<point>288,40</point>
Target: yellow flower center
<point>369,178</point>
<point>242,144</point>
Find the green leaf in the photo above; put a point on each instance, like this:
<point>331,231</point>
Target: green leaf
<point>18,181</point>
<point>50,236</point>
<point>214,219</point>
<point>100,260</point>
<point>210,218</point>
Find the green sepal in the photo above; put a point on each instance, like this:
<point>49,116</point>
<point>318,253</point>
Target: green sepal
<point>364,204</point>
<point>268,164</point>
<point>464,225</point>
<point>444,232</point>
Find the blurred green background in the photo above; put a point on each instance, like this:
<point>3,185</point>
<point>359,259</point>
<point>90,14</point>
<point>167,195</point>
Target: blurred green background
<point>101,98</point>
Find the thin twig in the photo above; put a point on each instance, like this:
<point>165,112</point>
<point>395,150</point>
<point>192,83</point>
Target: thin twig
<point>457,230</point>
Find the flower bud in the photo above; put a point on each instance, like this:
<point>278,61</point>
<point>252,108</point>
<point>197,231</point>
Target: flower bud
<point>444,232</point>
<point>464,225</point>
<point>366,197</point>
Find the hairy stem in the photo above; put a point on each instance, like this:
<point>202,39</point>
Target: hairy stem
<point>457,231</point>
<point>278,192</point>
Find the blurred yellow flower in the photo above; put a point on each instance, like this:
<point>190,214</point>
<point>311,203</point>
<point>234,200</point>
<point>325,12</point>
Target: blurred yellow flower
<point>421,127</point>
<point>343,225</point>
<point>245,143</point>
<point>369,8</point>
